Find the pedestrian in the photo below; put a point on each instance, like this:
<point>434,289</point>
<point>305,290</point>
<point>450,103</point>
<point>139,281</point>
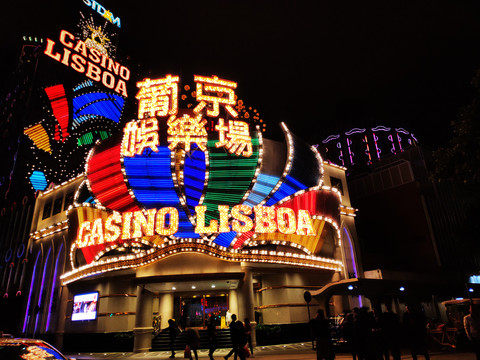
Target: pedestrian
<point>173,331</point>
<point>360,332</point>
<point>471,322</point>
<point>347,329</point>
<point>237,334</point>
<point>415,325</point>
<point>321,332</point>
<point>212,336</point>
<point>193,342</point>
<point>390,326</point>
<point>248,334</point>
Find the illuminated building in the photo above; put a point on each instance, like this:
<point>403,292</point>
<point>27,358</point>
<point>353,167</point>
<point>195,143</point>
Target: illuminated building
<point>165,223</point>
<point>408,226</point>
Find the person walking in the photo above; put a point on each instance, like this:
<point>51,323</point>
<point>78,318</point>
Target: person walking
<point>415,325</point>
<point>248,334</point>
<point>390,326</point>
<point>212,336</point>
<point>321,332</point>
<point>193,342</point>
<point>471,322</point>
<point>237,335</point>
<point>173,331</point>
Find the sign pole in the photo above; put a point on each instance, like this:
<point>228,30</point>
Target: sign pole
<point>308,297</point>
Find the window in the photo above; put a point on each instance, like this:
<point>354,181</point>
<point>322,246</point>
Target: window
<point>68,200</point>
<point>47,209</point>
<point>57,206</point>
<point>336,183</point>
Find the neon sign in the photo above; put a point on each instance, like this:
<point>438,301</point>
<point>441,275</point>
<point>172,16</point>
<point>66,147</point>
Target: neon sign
<point>107,14</point>
<point>164,222</point>
<point>89,61</point>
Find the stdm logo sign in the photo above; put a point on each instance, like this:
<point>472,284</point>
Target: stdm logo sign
<point>107,14</point>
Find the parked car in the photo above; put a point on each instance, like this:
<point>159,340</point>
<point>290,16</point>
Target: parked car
<point>19,348</point>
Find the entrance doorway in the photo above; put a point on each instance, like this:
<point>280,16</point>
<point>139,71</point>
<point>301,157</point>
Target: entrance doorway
<point>194,311</point>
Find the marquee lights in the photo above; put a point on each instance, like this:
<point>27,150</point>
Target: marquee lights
<point>83,59</point>
<point>202,247</point>
<point>131,225</point>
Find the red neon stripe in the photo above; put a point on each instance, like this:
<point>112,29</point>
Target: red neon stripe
<point>106,179</point>
<point>58,100</point>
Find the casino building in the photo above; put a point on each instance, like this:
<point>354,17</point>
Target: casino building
<point>171,220</point>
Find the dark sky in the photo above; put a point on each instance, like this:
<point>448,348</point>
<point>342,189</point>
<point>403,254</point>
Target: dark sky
<point>320,66</point>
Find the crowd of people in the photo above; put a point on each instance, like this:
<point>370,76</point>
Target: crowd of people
<point>374,335</point>
<point>240,334</point>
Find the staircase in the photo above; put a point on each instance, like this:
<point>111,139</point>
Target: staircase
<point>161,341</point>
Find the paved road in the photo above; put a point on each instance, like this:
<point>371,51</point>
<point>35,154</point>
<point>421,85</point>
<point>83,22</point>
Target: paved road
<point>277,352</point>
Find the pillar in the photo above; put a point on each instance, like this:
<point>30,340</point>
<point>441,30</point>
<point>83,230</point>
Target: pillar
<point>337,299</point>
<point>165,308</point>
<point>248,303</point>
<point>142,332</point>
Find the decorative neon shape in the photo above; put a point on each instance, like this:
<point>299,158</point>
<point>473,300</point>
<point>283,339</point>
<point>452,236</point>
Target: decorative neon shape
<point>355,131</point>
<point>39,136</point>
<point>58,100</point>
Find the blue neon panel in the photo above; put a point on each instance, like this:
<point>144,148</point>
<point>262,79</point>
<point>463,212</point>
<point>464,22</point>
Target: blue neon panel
<point>289,186</point>
<point>194,178</point>
<point>150,178</point>
<point>262,188</point>
<point>38,180</point>
<point>225,239</point>
<point>107,105</point>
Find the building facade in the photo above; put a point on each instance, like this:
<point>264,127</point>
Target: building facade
<point>170,232</point>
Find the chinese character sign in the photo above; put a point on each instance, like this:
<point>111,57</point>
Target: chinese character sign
<point>158,97</point>
<point>235,137</point>
<point>137,138</point>
<point>187,130</point>
<point>215,91</point>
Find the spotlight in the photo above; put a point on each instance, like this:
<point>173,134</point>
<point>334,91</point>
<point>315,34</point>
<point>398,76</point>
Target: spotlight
<point>401,288</point>
<point>470,290</point>
<point>350,287</point>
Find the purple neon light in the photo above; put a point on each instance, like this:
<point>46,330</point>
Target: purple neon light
<point>41,287</point>
<point>330,138</point>
<point>381,128</point>
<point>402,130</point>
<point>393,150</point>
<point>352,255</point>
<point>53,286</point>
<point>30,294</point>
<point>355,131</point>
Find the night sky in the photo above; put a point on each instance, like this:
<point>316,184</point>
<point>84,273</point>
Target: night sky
<point>323,67</point>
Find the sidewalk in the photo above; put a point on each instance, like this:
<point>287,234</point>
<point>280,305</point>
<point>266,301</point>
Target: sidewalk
<point>300,351</point>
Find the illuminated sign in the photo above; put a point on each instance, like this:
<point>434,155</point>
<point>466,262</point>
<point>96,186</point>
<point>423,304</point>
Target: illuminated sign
<point>159,97</point>
<point>89,61</point>
<point>85,306</point>
<point>174,185</point>
<point>164,222</point>
<point>107,14</point>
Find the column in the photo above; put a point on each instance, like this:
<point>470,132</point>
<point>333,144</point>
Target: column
<point>248,301</point>
<point>165,308</point>
<point>142,332</point>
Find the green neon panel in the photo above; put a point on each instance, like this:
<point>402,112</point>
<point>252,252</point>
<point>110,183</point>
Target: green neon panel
<point>230,177</point>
